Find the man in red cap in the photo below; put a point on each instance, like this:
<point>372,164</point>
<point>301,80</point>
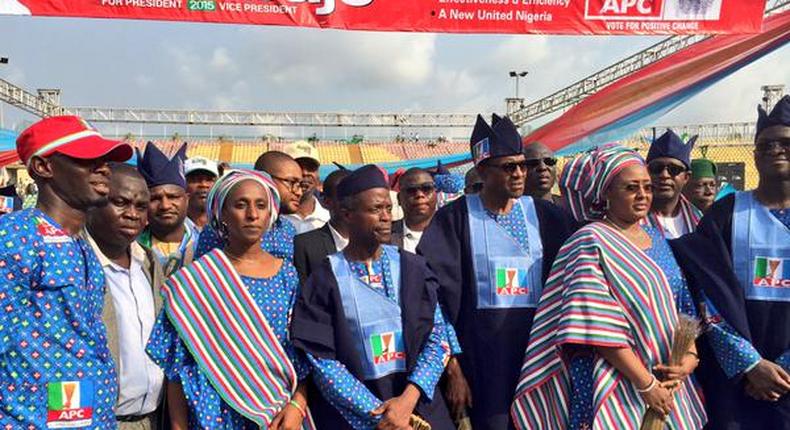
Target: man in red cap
<point>57,371</point>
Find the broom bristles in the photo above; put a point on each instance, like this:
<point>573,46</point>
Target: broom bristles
<point>686,332</point>
<point>417,423</point>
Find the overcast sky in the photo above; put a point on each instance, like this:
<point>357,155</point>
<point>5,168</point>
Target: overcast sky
<point>203,66</point>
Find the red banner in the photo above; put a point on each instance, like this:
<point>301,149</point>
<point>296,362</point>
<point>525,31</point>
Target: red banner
<point>440,16</point>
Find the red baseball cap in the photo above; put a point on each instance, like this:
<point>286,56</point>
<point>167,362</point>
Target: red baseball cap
<point>68,135</point>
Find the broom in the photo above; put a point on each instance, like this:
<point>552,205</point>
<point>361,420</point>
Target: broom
<point>418,423</point>
<point>686,332</point>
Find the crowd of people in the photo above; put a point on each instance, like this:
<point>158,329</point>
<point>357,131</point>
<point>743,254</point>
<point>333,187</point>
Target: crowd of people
<point>178,293</point>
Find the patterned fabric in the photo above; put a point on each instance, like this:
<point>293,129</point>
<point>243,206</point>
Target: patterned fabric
<point>586,176</point>
<point>347,393</point>
<point>661,253</point>
<point>514,224</point>
<point>51,331</point>
<point>279,241</point>
<point>784,361</point>
<point>581,393</point>
<point>224,185</point>
<point>598,295</point>
<point>171,263</point>
<point>783,215</point>
<point>690,214</point>
<point>735,354</point>
<point>451,183</point>
<point>275,297</point>
<point>228,335</point>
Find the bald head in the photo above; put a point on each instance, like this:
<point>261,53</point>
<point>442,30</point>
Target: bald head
<point>123,173</point>
<point>537,150</point>
<point>541,171</point>
<point>274,162</point>
<point>412,175</point>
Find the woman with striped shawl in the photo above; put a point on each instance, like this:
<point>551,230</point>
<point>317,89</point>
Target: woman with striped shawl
<point>607,316</point>
<point>222,337</point>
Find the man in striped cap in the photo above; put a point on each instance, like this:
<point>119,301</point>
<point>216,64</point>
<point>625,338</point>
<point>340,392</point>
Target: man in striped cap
<point>57,371</point>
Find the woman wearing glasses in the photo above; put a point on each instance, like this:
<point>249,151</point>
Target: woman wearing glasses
<point>606,320</point>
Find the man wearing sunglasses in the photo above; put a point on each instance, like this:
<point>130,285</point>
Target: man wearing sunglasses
<point>491,253</point>
<point>668,162</point>
<point>541,172</point>
<point>417,196</point>
<point>740,259</point>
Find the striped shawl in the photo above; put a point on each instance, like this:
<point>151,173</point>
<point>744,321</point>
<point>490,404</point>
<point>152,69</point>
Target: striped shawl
<point>605,292</point>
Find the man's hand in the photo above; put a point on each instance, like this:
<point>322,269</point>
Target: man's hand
<point>767,381</point>
<point>397,411</point>
<point>457,392</point>
<point>679,372</point>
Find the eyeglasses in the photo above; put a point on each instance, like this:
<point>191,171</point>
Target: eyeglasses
<point>426,188</point>
<point>783,145</point>
<point>535,162</point>
<point>293,184</point>
<point>658,168</point>
<point>511,167</point>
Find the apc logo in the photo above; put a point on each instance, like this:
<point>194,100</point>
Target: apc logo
<point>329,5</point>
<point>623,9</point>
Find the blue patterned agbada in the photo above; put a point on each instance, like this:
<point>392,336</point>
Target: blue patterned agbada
<point>52,339</point>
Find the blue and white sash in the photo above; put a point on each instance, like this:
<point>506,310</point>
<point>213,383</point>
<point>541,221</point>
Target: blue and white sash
<point>507,275</point>
<point>760,250</point>
<point>374,320</point>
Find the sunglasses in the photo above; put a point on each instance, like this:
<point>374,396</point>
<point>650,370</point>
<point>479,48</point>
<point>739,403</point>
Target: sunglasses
<point>769,146</point>
<point>658,168</point>
<point>426,189</point>
<point>511,167</point>
<point>535,162</point>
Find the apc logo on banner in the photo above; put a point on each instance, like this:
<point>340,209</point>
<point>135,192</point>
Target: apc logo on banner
<point>624,9</point>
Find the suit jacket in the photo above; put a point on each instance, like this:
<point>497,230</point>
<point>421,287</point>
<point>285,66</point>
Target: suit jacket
<point>310,249</point>
<point>397,234</point>
<point>153,272</point>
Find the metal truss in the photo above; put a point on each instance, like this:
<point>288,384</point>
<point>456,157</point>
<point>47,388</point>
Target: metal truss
<point>281,119</point>
<point>41,105</point>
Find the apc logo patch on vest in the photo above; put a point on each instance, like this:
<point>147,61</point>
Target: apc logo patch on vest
<point>387,347</point>
<point>512,282</point>
<point>69,404</point>
<point>771,272</point>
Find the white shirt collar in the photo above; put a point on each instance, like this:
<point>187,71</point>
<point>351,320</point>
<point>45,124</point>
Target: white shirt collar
<point>340,241</point>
